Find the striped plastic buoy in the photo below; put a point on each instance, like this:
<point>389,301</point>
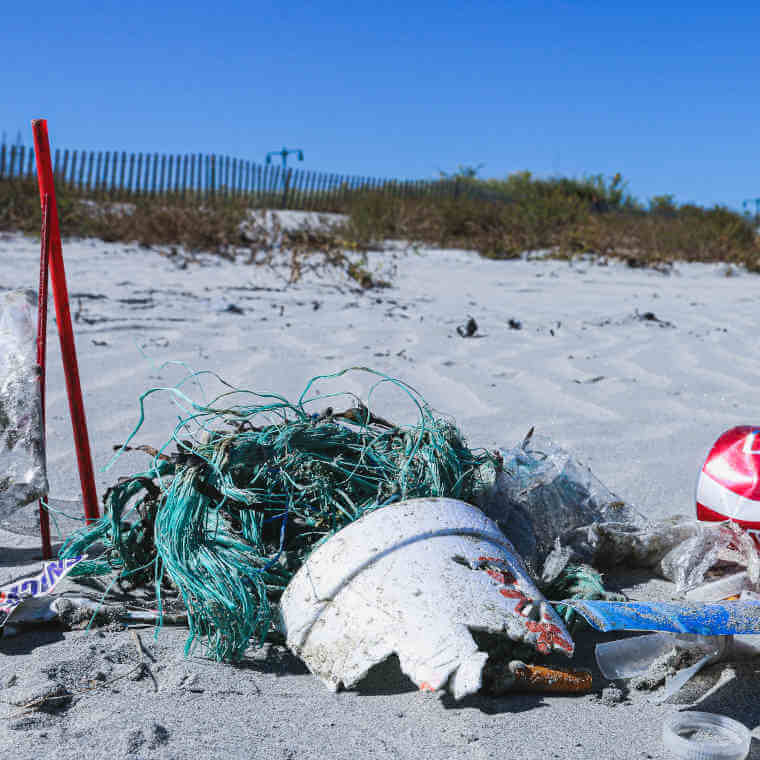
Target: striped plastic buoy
<point>728,487</point>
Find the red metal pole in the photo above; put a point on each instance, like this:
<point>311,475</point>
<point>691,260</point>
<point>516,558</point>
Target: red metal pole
<point>42,299</point>
<point>63,317</point>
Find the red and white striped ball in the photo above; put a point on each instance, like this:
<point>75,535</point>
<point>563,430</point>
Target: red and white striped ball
<point>729,483</point>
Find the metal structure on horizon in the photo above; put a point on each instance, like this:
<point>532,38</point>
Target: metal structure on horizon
<point>285,152</point>
<point>746,206</point>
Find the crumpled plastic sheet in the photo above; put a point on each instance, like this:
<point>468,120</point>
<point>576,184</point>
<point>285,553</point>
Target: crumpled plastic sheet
<point>557,512</point>
<point>23,471</point>
<point>541,493</point>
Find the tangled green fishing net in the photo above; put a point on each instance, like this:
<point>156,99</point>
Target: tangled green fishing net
<point>228,517</point>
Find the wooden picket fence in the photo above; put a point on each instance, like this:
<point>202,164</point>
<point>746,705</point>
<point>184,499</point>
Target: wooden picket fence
<point>121,176</point>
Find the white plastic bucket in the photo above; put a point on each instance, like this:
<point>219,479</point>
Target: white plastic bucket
<point>414,578</point>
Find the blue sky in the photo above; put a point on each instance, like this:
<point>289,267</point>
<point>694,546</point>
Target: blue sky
<point>665,93</point>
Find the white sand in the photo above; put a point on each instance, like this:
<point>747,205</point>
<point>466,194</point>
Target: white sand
<point>665,394</point>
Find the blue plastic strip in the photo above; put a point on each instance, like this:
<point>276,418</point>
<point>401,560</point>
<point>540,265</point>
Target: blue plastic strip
<point>715,618</point>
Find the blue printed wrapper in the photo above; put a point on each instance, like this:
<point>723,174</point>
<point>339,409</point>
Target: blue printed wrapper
<point>14,594</point>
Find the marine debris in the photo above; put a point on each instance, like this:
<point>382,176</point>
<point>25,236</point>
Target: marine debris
<point>416,579</point>
<point>250,489</point>
<point>23,474</point>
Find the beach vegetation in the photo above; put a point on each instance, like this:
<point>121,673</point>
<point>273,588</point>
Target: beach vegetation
<point>500,218</point>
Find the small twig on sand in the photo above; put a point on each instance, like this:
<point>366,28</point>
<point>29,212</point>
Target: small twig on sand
<point>93,685</point>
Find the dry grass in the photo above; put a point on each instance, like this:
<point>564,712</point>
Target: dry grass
<point>563,216</point>
<point>224,227</point>
<point>500,219</point>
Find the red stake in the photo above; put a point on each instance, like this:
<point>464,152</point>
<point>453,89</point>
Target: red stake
<point>42,299</point>
<point>63,317</point>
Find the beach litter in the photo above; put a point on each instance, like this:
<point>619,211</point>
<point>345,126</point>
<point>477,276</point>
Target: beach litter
<point>16,595</point>
<point>558,514</point>
<point>415,579</point>
<point>227,518</point>
<point>541,494</point>
<point>72,611</point>
<point>500,677</point>
<point>695,735</point>
<point>356,539</point>
<point>244,498</point>
<point>562,520</point>
<point>724,587</point>
<point>23,472</point>
<point>728,487</point>
<point>690,635</point>
<point>469,329</point>
<point>703,618</point>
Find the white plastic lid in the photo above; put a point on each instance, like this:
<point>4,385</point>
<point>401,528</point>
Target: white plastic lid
<point>692,735</point>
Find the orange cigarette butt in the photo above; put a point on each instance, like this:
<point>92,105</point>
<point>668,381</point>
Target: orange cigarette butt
<point>555,681</point>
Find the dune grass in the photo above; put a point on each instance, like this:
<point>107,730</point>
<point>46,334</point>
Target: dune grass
<point>563,216</point>
<point>498,218</point>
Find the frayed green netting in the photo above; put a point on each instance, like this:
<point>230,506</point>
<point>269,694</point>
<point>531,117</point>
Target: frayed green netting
<point>578,582</point>
<point>230,515</point>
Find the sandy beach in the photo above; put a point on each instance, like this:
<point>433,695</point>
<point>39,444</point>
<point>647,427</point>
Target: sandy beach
<point>636,371</point>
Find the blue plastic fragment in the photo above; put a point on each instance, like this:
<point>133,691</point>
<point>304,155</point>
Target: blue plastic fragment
<point>713,618</point>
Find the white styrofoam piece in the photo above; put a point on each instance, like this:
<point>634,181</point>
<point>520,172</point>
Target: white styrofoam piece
<point>414,579</point>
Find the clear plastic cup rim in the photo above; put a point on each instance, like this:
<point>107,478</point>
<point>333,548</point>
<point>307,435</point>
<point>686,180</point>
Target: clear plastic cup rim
<point>732,738</point>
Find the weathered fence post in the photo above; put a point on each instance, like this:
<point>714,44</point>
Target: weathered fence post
<point>74,168</point>
<point>192,175</point>
<point>138,176</point>
<point>122,173</point>
<point>90,164</point>
<point>168,188</point>
<point>286,185</point>
<point>64,170</point>
<point>105,173</point>
<point>154,179</point>
<point>184,176</point>
<point>82,162</point>
<point>131,175</point>
<point>97,171</point>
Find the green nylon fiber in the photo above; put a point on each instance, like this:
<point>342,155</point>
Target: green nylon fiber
<point>578,582</point>
<point>251,489</point>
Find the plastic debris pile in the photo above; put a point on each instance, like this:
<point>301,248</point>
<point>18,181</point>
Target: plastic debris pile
<point>561,517</point>
<point>251,490</point>
<point>251,517</point>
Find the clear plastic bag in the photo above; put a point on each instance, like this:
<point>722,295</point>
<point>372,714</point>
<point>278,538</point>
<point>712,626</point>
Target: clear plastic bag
<point>23,472</point>
<point>541,493</point>
<point>557,512</point>
<point>679,549</point>
<point>688,562</point>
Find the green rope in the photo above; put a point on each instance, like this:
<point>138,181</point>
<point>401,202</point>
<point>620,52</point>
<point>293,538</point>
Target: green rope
<point>229,517</point>
<point>578,582</point>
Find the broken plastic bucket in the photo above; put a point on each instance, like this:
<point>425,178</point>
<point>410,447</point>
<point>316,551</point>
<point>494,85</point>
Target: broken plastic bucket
<point>414,579</point>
